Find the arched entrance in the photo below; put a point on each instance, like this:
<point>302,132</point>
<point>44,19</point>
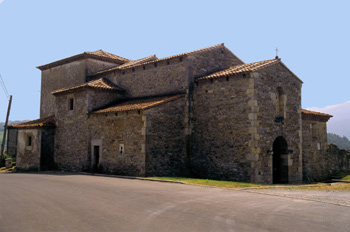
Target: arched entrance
<point>280,161</point>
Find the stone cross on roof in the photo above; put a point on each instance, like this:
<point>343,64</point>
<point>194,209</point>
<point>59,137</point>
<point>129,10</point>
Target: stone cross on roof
<point>276,53</point>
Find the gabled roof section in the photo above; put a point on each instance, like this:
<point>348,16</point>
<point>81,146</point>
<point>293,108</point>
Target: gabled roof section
<point>99,55</point>
<point>218,46</point>
<point>128,64</point>
<point>313,115</point>
<point>245,68</point>
<point>138,104</point>
<point>99,84</point>
<point>42,122</point>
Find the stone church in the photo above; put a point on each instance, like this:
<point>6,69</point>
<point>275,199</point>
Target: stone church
<point>203,113</point>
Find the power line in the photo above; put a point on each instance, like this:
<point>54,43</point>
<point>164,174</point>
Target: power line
<point>4,87</point>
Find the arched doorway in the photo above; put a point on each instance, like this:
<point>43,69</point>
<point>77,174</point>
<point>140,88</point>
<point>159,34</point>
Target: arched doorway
<point>280,161</point>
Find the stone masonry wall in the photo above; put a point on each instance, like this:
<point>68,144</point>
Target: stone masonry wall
<point>12,142</point>
<point>28,157</point>
<point>72,135</point>
<point>98,98</point>
<point>207,62</point>
<point>63,76</point>
<point>165,139</point>
<point>152,79</point>
<point>337,161</point>
<point>114,131</point>
<point>93,65</point>
<point>315,167</point>
<point>275,89</point>
<point>220,132</point>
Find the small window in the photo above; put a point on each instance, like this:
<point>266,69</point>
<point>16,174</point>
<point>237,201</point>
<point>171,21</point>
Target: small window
<point>71,104</point>
<point>121,149</point>
<point>29,141</point>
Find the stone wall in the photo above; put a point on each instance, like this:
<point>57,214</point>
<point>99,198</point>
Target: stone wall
<point>165,139</point>
<point>63,76</point>
<point>337,161</point>
<point>153,78</point>
<point>210,61</point>
<point>320,160</point>
<point>12,142</point>
<point>72,135</point>
<point>220,131</point>
<point>275,105</point>
<point>100,98</point>
<point>120,136</point>
<point>28,153</point>
<point>93,65</point>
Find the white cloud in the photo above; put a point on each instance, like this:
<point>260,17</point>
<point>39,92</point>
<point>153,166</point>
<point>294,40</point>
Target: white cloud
<point>340,123</point>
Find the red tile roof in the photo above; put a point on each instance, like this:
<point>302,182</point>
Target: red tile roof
<point>42,122</point>
<point>139,104</point>
<point>315,113</point>
<point>162,59</point>
<point>101,84</point>
<point>99,55</point>
<point>243,68</point>
<point>128,64</point>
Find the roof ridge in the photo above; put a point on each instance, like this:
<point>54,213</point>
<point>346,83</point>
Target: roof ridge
<point>241,68</point>
<point>49,121</point>
<point>130,64</point>
<point>101,83</point>
<point>161,59</point>
<point>315,113</point>
<point>138,103</point>
<point>106,56</point>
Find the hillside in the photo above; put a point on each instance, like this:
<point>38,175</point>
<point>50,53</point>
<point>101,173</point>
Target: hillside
<point>341,142</point>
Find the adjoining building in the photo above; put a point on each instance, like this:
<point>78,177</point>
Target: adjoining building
<point>203,113</point>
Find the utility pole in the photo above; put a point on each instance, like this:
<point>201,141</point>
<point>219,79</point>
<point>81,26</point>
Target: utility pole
<point>5,131</point>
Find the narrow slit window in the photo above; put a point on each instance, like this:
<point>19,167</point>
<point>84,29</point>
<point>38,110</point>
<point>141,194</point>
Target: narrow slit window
<point>71,104</point>
<point>29,141</point>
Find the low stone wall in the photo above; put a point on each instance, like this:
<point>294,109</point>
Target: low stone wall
<point>337,161</point>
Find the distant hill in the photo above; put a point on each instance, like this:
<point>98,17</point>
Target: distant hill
<point>341,142</point>
<point>340,123</point>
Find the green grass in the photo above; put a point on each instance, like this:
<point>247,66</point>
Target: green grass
<point>346,177</point>
<point>325,187</point>
<point>206,182</point>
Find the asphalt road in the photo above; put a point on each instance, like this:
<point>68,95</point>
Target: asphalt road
<point>44,202</point>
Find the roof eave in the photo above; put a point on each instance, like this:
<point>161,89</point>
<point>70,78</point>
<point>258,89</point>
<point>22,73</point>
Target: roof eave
<point>78,57</point>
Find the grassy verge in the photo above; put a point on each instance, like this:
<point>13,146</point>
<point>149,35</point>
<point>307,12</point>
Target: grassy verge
<point>346,177</point>
<point>237,185</point>
<point>325,187</point>
<point>206,182</point>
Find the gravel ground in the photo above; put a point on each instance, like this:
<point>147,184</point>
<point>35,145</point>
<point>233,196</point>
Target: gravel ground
<point>337,197</point>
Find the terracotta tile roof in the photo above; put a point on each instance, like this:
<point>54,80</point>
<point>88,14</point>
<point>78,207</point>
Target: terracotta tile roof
<point>242,68</point>
<point>102,84</point>
<point>315,113</point>
<point>128,64</point>
<point>42,122</point>
<point>162,59</point>
<point>99,55</point>
<point>138,104</point>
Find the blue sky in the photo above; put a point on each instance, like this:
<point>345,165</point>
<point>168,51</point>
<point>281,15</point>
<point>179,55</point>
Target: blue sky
<point>312,38</point>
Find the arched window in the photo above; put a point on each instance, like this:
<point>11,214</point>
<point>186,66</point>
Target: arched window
<point>281,100</point>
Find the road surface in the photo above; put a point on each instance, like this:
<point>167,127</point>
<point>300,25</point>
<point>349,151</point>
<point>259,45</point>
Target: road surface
<point>53,202</point>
